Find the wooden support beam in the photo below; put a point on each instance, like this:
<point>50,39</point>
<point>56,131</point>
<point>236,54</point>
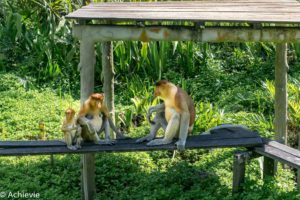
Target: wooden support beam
<point>281,67</point>
<point>87,74</point>
<point>239,167</point>
<point>268,167</point>
<point>108,76</point>
<point>298,170</point>
<point>102,33</point>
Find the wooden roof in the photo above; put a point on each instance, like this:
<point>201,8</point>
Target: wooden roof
<point>255,11</point>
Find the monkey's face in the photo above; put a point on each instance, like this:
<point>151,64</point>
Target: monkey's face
<point>96,103</point>
<point>97,100</point>
<point>157,91</point>
<point>160,88</point>
<point>70,113</point>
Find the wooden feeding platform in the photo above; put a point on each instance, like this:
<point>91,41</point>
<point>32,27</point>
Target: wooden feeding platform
<point>220,139</point>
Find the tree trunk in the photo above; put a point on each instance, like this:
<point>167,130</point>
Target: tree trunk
<point>108,78</point>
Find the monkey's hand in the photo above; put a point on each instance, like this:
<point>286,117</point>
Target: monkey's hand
<point>152,109</point>
<point>66,129</point>
<point>180,145</point>
<point>106,142</point>
<point>83,121</point>
<point>149,113</point>
<point>146,138</point>
<point>121,136</point>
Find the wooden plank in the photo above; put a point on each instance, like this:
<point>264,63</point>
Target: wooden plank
<point>189,3</point>
<point>279,155</point>
<point>187,16</point>
<point>177,33</point>
<point>218,135</point>
<point>221,11</point>
<point>133,147</point>
<point>194,8</point>
<point>282,147</point>
<point>31,143</point>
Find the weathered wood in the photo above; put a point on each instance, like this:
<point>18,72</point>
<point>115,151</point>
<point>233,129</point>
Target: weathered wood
<point>206,11</point>
<point>102,33</point>
<point>87,68</point>
<point>279,155</point>
<point>268,167</point>
<point>239,166</point>
<point>193,142</point>
<point>281,67</point>
<point>282,147</point>
<point>87,74</point>
<point>88,176</point>
<point>223,134</point>
<point>108,77</point>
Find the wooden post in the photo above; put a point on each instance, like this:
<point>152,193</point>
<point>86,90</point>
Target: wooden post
<point>108,77</point>
<point>268,167</point>
<point>298,170</point>
<point>281,105</point>
<point>87,74</point>
<point>239,166</point>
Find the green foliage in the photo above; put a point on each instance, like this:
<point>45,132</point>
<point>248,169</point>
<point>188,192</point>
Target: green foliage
<point>293,107</point>
<point>22,111</point>
<point>208,116</point>
<point>139,176</point>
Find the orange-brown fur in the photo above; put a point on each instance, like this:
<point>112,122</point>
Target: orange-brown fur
<point>69,119</point>
<point>175,98</point>
<point>94,105</point>
<point>71,130</point>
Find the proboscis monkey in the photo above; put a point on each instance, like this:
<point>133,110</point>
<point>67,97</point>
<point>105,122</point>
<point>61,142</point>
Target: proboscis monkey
<point>94,118</point>
<point>176,115</point>
<point>71,130</point>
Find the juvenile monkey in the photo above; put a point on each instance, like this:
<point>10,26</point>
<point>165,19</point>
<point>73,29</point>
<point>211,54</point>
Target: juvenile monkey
<point>176,115</point>
<point>71,130</point>
<point>94,118</point>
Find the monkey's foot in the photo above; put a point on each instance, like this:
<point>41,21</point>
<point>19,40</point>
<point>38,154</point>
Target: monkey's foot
<point>78,146</point>
<point>72,148</point>
<point>159,142</point>
<point>106,142</point>
<point>146,138</point>
<point>180,146</point>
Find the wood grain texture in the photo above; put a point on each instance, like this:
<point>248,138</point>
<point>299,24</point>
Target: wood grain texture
<point>281,11</point>
<point>279,155</point>
<point>217,140</point>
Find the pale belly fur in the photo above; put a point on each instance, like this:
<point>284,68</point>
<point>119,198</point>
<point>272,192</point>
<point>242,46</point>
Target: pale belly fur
<point>73,132</point>
<point>97,122</point>
<point>169,113</point>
